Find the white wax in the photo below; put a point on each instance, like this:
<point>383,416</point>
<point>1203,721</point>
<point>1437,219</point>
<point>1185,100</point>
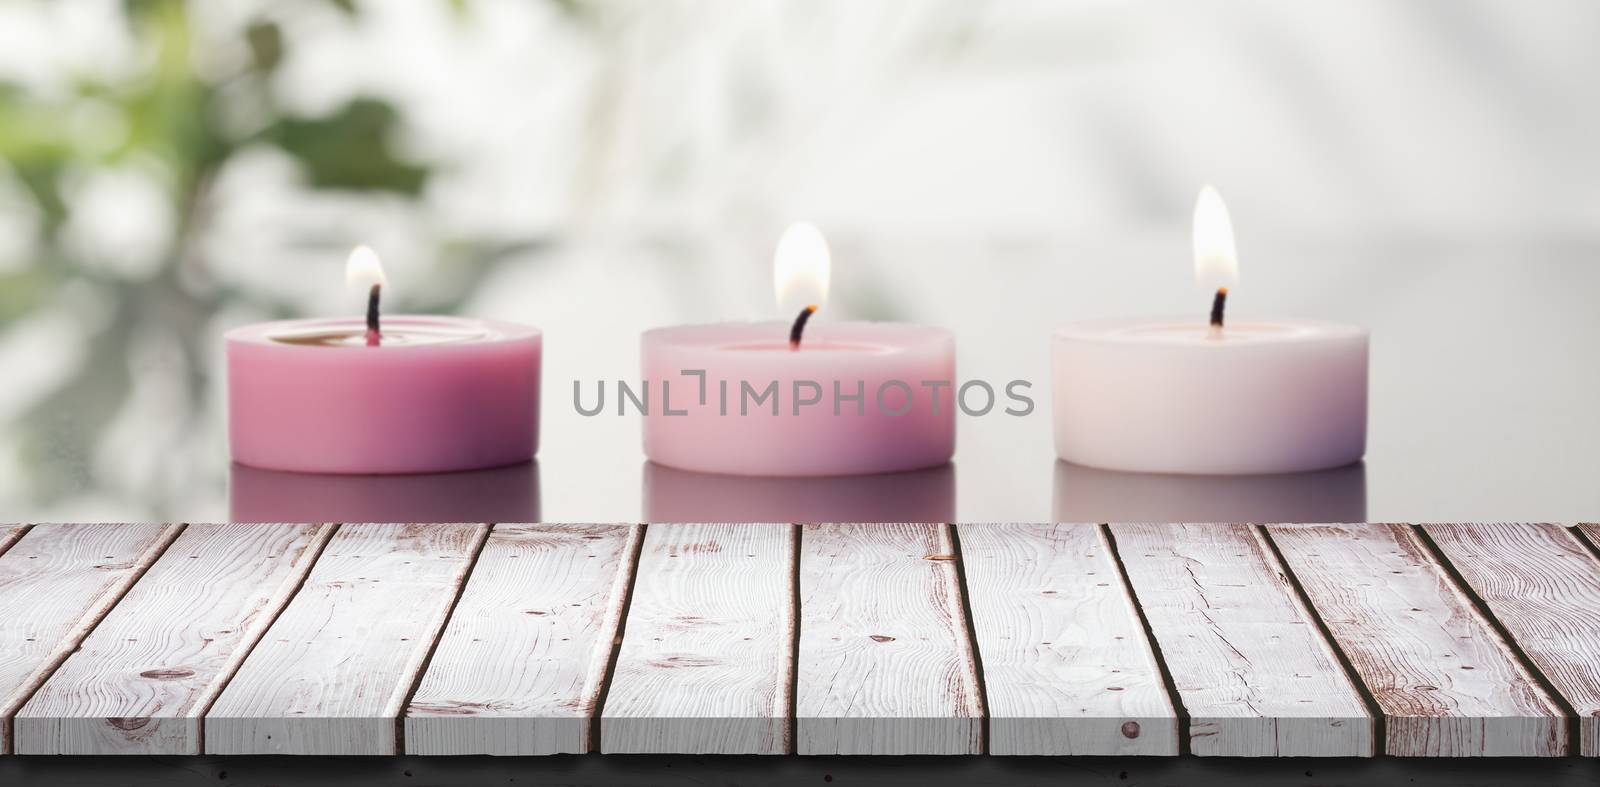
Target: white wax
<point>1168,396</point>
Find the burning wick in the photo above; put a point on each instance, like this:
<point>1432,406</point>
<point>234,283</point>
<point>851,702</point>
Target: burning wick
<point>374,335</point>
<point>362,267</point>
<point>1217,306</point>
<point>800,326</point>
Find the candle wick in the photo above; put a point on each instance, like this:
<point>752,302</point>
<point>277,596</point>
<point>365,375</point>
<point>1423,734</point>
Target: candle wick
<point>374,333</point>
<point>800,326</point>
<point>1217,305</point>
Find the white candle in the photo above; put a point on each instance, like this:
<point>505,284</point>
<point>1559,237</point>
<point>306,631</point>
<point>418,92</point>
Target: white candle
<point>1184,395</point>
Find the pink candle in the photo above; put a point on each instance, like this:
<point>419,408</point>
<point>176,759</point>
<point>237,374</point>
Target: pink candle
<point>419,395</point>
<point>801,399</point>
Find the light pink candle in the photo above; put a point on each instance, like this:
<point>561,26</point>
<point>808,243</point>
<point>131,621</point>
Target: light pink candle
<point>800,399</point>
<point>438,394</point>
<point>852,399</point>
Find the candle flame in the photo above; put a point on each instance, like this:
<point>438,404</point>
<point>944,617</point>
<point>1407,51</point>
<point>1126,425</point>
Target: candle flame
<point>363,268</point>
<point>1216,263</point>
<point>801,267</point>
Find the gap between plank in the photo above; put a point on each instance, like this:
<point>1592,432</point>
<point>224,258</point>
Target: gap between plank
<point>1583,538</point>
<point>158,549</point>
<point>433,647</point>
<point>1167,680</point>
<point>592,745</point>
<point>1509,642</point>
<point>792,738</point>
<point>16,536</point>
<point>1380,724</point>
<point>972,637</point>
<point>249,647</point>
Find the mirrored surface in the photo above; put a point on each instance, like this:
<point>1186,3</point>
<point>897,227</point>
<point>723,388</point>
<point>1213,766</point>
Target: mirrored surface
<point>1087,494</point>
<point>672,495</point>
<point>501,494</point>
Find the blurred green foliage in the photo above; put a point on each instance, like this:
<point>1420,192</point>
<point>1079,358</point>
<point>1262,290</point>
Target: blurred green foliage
<point>174,117</point>
<point>347,149</point>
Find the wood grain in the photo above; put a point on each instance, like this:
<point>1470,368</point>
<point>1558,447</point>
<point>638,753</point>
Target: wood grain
<point>141,681</point>
<point>1066,664</point>
<point>333,673</point>
<point>520,666</point>
<point>706,663</point>
<point>1255,675</point>
<point>886,663</point>
<point>56,582</point>
<point>1543,585</point>
<point>1446,683</point>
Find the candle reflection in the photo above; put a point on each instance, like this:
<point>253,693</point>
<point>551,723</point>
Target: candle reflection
<point>1086,494</point>
<point>501,494</point>
<point>672,495</point>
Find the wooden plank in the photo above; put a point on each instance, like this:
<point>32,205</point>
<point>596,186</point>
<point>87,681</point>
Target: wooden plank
<point>1255,675</point>
<point>1543,585</point>
<point>1592,531</point>
<point>519,668</point>
<point>56,582</point>
<point>1067,666</point>
<point>1444,679</point>
<point>333,673</point>
<point>886,663</point>
<point>9,535</point>
<point>706,665</point>
<point>141,681</point>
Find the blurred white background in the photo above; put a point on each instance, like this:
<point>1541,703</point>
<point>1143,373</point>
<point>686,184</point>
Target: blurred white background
<point>170,170</point>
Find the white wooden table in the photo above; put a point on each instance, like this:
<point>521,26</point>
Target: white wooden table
<point>1447,640</point>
